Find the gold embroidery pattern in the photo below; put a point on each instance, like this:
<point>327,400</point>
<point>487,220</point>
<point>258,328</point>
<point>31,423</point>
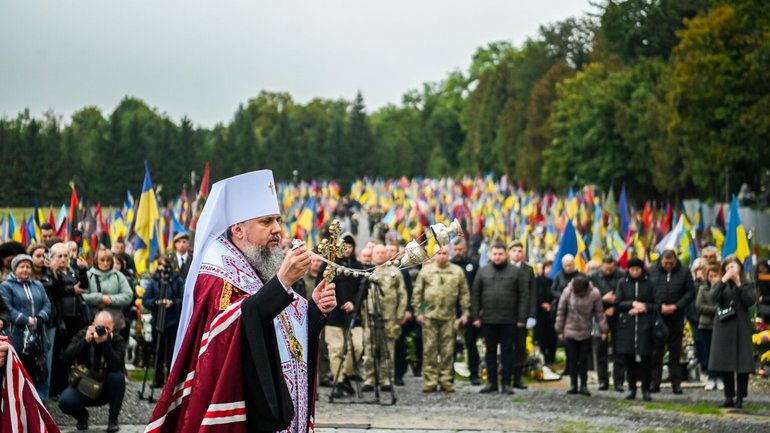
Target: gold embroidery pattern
<point>227,292</point>
<point>295,347</point>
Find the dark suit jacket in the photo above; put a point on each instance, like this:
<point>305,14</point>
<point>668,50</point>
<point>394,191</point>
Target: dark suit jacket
<point>528,274</point>
<point>184,270</point>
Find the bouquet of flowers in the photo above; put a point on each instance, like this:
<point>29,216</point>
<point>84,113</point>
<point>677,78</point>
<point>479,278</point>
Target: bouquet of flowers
<point>761,342</point>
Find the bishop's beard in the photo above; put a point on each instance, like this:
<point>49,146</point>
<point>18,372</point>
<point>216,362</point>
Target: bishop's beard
<point>266,261</point>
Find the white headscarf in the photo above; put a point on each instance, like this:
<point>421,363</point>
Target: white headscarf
<point>232,200</point>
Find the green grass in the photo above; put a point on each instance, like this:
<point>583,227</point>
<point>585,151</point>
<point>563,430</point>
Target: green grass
<point>693,408</point>
<point>519,400</point>
<point>669,430</point>
<point>584,427</point>
<point>138,375</point>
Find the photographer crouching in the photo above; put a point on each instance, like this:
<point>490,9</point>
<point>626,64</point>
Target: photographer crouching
<point>164,298</point>
<point>98,355</point>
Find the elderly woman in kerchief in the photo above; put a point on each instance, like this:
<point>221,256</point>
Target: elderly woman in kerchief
<point>29,309</point>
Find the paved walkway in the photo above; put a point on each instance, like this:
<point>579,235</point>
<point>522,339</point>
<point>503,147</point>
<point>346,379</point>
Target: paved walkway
<point>320,429</point>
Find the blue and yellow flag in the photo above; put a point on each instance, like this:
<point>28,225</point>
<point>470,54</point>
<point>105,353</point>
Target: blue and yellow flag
<point>569,245</point>
<point>146,242</point>
<point>736,242</point>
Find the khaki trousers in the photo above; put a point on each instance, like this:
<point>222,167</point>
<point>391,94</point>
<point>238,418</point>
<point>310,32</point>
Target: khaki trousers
<point>335,339</point>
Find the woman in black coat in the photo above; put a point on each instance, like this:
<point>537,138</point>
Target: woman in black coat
<point>635,303</point>
<point>731,347</point>
<point>544,332</point>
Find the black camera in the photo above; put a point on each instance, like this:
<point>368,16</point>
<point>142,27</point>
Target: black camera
<point>166,269</point>
<point>101,331</point>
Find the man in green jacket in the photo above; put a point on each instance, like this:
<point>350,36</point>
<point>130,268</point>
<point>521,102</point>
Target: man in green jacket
<point>440,286</point>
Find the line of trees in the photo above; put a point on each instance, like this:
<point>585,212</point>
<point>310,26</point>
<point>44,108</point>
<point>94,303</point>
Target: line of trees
<point>669,97</point>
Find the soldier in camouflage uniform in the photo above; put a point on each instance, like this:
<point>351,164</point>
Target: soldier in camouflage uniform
<point>440,286</point>
<point>391,291</point>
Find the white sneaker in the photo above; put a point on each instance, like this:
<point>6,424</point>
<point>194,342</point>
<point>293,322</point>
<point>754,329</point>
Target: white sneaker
<point>720,384</point>
<point>711,384</point>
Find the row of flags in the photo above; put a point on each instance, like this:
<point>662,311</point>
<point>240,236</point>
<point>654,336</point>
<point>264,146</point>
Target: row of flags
<point>583,223</point>
<point>146,225</point>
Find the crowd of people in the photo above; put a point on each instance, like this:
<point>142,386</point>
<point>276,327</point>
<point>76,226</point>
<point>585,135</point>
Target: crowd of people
<point>631,319</point>
<point>62,314</point>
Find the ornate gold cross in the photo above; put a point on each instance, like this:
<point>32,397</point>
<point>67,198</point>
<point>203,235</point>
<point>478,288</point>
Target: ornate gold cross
<point>332,249</point>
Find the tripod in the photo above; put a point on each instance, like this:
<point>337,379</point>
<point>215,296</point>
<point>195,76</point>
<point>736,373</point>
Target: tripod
<point>347,341</point>
<point>160,325</point>
<point>378,340</point>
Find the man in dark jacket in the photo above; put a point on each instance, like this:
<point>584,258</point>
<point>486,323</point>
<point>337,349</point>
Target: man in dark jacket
<point>606,280</point>
<point>472,333</point>
<point>499,305</point>
<point>103,352</point>
<point>350,291</point>
<point>674,291</point>
<point>164,298</point>
<point>563,278</point>
<point>516,254</point>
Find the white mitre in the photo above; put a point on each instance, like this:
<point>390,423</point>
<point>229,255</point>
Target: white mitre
<point>232,200</point>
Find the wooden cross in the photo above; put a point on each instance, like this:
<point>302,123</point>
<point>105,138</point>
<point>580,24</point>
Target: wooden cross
<point>270,185</point>
<point>332,249</point>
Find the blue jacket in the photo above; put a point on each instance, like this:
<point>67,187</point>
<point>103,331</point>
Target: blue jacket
<point>24,300</point>
<point>175,291</point>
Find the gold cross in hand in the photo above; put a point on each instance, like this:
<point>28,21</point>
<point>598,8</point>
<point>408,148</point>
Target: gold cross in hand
<point>332,249</point>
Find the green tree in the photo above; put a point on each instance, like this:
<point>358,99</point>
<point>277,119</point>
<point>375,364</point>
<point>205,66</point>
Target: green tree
<point>646,28</point>
<point>721,97</point>
<point>359,144</point>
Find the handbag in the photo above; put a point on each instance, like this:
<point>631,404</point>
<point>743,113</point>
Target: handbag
<point>659,328</point>
<point>77,371</point>
<point>85,381</point>
<point>726,313</point>
<point>90,387</point>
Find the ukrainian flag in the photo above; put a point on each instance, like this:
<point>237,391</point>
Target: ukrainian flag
<point>146,242</point>
<point>736,242</point>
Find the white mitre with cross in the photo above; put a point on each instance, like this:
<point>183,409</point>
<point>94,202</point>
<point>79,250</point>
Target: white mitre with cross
<point>231,201</point>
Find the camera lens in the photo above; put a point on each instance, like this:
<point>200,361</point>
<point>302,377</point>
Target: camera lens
<point>101,330</point>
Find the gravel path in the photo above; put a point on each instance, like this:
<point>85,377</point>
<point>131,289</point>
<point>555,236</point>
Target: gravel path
<point>544,407</point>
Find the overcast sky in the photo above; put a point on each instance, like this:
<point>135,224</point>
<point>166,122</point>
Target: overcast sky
<point>203,58</point>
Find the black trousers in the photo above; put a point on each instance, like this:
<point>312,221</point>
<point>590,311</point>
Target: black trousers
<point>519,352</point>
<point>164,354</point>
<point>728,377</point>
<point>638,370</point>
<point>324,369</point>
<point>401,364</point>
<point>577,359</point>
<point>72,402</point>
<point>602,359</point>
<point>471,336</point>
<point>675,325</point>
<point>546,336</point>
<point>499,335</point>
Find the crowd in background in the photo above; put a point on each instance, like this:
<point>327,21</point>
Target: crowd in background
<point>61,312</point>
<point>631,318</point>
